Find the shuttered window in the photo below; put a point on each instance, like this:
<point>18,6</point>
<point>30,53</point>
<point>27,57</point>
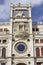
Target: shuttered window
<point>41,40</point>
<point>37,52</point>
<point>1,29</point>
<point>38,63</point>
<point>42,51</point>
<point>6,30</point>
<point>36,40</point>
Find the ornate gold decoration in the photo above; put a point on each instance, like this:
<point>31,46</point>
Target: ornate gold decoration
<point>22,35</point>
<point>20,50</point>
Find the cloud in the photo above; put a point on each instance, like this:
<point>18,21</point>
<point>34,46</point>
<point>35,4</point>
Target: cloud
<point>36,2</point>
<point>5,9</point>
<point>40,18</point>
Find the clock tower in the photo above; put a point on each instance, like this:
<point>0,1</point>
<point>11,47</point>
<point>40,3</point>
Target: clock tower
<point>22,38</point>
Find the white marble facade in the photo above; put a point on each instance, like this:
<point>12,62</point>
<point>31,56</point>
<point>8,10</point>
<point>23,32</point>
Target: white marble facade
<point>17,38</point>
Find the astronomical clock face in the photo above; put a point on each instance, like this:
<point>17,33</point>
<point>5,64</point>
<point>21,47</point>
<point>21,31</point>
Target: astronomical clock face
<point>20,47</point>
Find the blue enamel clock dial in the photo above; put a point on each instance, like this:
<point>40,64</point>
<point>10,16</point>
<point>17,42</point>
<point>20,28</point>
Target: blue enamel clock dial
<point>21,47</point>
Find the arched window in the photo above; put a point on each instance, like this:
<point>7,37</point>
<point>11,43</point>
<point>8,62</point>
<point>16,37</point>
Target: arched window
<point>38,63</point>
<point>21,64</point>
<point>3,52</point>
<point>37,52</point>
<point>42,50</point>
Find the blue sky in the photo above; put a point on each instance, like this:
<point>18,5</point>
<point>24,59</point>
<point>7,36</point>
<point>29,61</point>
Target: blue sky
<point>37,9</point>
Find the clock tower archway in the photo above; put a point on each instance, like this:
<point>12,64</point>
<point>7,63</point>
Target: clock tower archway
<point>21,64</point>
